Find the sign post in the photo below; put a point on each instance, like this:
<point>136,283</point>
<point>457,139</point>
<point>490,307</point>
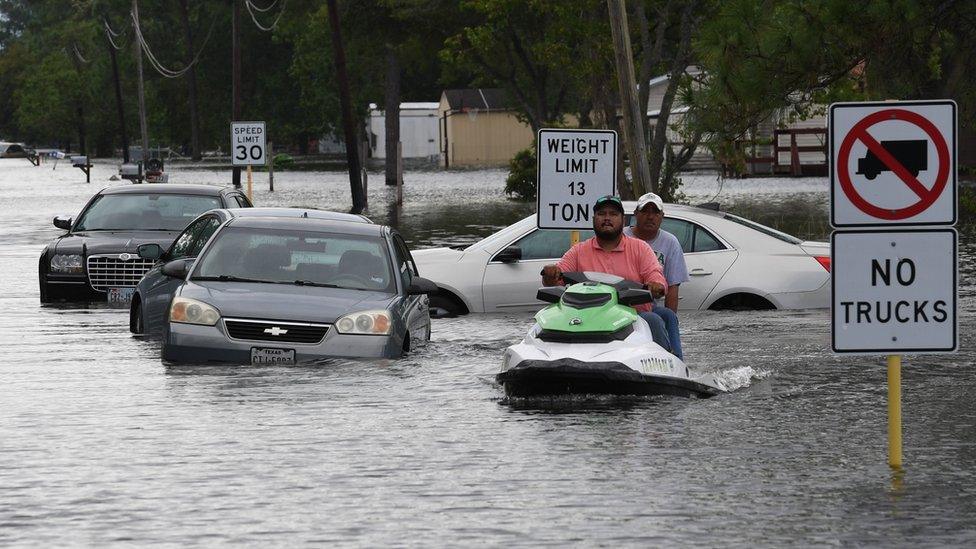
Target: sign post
<point>248,147</point>
<point>575,167</point>
<point>894,254</point>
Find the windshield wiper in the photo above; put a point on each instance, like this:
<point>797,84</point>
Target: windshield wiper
<point>310,283</point>
<point>231,278</point>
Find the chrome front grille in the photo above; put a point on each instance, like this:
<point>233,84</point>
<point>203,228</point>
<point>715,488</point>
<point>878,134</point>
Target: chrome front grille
<point>110,271</point>
<point>269,330</point>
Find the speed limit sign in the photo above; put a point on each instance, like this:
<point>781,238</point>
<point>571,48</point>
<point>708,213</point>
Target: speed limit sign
<point>247,140</point>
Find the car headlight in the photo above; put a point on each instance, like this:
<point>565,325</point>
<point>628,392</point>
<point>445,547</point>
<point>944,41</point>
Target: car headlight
<point>66,264</point>
<point>364,322</point>
<point>191,311</point>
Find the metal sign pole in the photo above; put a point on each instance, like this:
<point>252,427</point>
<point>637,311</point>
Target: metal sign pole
<point>894,411</point>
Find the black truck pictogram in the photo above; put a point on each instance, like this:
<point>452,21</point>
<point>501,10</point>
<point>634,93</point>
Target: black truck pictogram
<point>911,153</point>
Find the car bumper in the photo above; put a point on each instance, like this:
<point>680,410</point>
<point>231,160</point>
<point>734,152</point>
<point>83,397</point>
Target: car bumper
<point>197,344</point>
<point>817,299</point>
<point>72,288</point>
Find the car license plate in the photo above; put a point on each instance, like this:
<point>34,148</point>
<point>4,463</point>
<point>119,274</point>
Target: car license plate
<point>265,355</point>
<point>120,295</point>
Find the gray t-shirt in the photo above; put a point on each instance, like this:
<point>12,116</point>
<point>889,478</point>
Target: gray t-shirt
<point>668,251</point>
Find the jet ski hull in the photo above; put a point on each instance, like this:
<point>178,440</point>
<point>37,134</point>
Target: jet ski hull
<point>570,376</point>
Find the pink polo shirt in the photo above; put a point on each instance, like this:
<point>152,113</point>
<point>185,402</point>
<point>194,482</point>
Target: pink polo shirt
<point>632,259</point>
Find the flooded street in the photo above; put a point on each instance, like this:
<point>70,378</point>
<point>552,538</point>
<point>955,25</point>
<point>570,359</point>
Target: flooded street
<point>102,444</point>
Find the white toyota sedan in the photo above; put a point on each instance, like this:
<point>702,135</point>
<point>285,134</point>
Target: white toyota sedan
<point>733,263</point>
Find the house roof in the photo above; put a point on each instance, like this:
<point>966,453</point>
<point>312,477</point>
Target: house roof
<point>477,98</point>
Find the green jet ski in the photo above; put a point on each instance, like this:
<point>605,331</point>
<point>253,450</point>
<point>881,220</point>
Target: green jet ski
<point>591,341</point>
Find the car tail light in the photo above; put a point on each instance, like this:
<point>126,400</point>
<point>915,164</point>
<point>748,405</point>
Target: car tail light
<point>824,261</point>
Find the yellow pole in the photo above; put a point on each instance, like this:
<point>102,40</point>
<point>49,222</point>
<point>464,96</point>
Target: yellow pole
<point>894,411</point>
<point>573,238</point>
<point>250,185</point>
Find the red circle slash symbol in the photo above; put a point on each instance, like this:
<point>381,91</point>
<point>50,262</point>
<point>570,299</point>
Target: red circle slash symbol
<point>926,196</point>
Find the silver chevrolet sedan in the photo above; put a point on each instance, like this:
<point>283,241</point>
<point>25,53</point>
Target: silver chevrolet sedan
<point>275,290</point>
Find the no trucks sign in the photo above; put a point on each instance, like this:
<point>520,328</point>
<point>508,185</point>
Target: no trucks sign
<point>575,167</point>
<point>893,163</point>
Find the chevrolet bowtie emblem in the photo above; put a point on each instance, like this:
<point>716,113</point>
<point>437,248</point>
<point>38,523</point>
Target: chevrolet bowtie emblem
<point>275,331</point>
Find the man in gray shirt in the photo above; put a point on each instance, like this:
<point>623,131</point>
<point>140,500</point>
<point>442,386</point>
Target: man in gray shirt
<point>649,215</point>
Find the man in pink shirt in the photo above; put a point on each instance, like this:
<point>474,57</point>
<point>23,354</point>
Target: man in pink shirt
<point>610,251</point>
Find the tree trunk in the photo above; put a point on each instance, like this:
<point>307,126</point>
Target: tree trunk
<point>345,102</point>
<point>118,102</point>
<point>680,62</point>
<point>191,83</point>
<point>391,109</point>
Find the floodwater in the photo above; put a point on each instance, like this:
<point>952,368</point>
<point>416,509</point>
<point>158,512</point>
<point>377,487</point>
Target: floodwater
<point>101,444</point>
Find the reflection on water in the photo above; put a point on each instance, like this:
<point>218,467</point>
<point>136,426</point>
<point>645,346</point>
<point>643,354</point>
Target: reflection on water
<point>101,443</point>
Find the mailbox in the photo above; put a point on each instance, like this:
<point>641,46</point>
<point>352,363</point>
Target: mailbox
<point>79,161</point>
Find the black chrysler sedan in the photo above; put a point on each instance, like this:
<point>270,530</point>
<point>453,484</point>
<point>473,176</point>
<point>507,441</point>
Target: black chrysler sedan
<point>98,260</point>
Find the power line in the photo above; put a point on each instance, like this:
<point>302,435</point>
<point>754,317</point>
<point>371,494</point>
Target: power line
<point>110,34</point>
<point>251,8</point>
<point>263,10</point>
<point>160,68</point>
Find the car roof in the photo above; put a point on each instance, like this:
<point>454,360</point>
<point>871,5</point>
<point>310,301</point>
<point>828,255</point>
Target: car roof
<point>310,223</point>
<point>166,188</point>
<point>298,212</point>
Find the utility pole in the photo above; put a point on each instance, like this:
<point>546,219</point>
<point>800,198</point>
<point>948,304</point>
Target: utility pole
<point>137,44</point>
<point>633,117</point>
<point>348,125</point>
<point>236,78</point>
<point>118,102</point>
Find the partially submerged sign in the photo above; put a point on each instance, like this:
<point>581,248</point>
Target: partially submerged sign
<point>248,142</point>
<point>894,291</point>
<point>893,163</point>
<point>575,167</point>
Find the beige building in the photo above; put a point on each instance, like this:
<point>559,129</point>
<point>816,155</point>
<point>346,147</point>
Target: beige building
<point>479,128</point>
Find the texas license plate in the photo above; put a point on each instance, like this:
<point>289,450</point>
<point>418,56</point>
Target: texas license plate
<point>120,295</point>
<point>265,355</point>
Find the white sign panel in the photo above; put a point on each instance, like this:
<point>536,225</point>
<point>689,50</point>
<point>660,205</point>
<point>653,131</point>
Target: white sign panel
<point>247,143</point>
<point>575,167</point>
<point>894,291</point>
<point>892,163</point>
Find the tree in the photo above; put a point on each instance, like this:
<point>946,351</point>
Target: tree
<point>778,55</point>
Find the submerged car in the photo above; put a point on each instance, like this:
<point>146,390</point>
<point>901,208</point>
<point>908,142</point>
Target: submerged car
<point>733,263</point>
<point>97,259</point>
<point>152,296</point>
<point>282,290</point>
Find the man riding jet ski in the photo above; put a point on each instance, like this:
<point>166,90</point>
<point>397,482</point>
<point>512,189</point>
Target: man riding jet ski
<point>591,341</point>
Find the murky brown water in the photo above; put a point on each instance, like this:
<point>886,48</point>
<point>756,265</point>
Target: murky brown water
<point>102,444</point>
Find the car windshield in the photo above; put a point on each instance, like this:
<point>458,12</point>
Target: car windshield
<point>146,212</point>
<point>282,256</point>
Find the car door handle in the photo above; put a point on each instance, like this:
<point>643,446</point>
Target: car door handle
<point>699,272</point>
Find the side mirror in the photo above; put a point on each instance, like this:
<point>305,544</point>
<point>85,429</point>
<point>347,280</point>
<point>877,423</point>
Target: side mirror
<point>510,254</point>
<point>551,294</point>
<point>421,285</point>
<point>178,268</point>
<point>150,251</point>
<point>62,222</point>
<point>631,297</point>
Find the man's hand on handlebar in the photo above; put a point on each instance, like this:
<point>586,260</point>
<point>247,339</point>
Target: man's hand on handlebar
<point>551,275</point>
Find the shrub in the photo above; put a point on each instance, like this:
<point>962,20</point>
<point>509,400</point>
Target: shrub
<point>283,161</point>
<point>520,183</point>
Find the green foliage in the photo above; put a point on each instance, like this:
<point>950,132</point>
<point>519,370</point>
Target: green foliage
<point>761,57</point>
<point>521,182</point>
<point>283,161</point>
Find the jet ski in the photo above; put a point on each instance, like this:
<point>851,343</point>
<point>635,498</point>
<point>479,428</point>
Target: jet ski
<point>591,341</point>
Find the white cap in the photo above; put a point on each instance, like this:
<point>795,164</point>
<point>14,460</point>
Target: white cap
<point>650,198</point>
